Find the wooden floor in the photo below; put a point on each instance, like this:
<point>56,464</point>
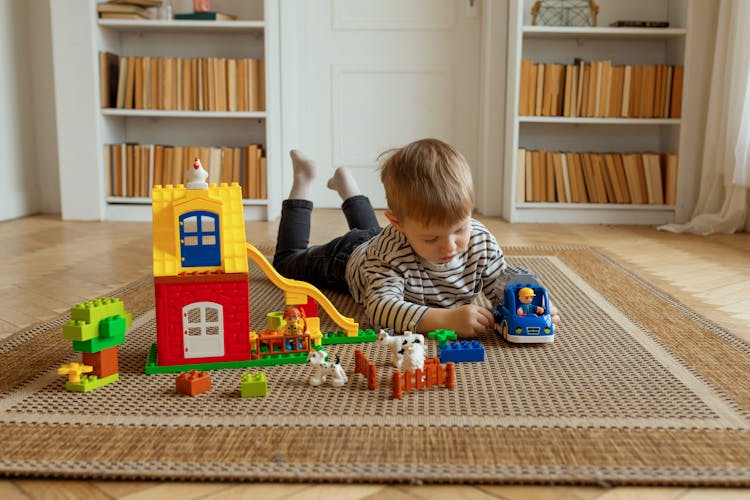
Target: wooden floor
<point>48,265</point>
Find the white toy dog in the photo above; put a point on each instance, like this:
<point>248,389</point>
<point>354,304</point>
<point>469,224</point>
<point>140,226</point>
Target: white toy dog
<point>413,356</point>
<point>396,344</point>
<point>324,370</point>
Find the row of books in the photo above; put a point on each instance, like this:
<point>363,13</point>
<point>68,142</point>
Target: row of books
<point>600,89</point>
<point>132,169</point>
<point>185,84</point>
<point>624,178</point>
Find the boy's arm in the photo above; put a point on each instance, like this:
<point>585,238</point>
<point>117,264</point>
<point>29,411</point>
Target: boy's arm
<point>385,305</point>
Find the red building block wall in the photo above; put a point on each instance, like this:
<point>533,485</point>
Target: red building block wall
<point>172,293</point>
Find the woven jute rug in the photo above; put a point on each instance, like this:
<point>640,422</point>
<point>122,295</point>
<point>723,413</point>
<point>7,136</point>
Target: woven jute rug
<point>636,389</point>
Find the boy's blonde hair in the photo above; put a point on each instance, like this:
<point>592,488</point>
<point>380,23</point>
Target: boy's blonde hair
<point>428,181</point>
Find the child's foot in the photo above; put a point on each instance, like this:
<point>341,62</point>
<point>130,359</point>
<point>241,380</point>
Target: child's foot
<point>344,184</point>
<point>305,171</point>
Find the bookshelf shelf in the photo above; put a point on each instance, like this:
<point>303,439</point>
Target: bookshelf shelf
<point>590,133</point>
<point>157,113</point>
<point>556,32</point>
<point>183,26</point>
<point>593,213</point>
<point>598,121</point>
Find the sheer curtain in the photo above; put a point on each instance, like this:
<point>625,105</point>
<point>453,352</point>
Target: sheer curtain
<point>725,178</point>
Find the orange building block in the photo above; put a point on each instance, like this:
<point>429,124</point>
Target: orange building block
<point>193,382</point>
<point>104,362</point>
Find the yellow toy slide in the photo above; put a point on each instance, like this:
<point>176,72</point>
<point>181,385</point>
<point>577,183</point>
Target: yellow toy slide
<point>296,292</point>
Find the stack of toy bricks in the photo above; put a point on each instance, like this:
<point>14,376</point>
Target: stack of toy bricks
<point>95,328</point>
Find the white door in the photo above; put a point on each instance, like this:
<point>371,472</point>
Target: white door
<point>360,77</point>
<point>203,329</point>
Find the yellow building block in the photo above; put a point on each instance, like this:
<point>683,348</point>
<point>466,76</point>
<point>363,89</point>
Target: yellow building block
<point>171,202</point>
<point>313,328</point>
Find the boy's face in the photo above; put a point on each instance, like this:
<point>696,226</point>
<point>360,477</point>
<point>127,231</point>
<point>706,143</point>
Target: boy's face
<point>438,244</point>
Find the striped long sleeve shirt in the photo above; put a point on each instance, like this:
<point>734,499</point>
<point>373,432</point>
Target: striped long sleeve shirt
<point>396,287</point>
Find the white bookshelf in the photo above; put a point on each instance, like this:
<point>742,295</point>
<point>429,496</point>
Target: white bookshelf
<point>545,44</point>
<point>253,35</point>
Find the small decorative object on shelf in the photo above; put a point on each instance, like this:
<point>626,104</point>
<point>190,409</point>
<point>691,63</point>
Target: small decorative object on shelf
<point>564,13</point>
<point>201,5</point>
<point>205,16</point>
<point>166,12</point>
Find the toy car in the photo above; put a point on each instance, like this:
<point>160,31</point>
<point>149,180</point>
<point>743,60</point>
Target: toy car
<point>524,316</point>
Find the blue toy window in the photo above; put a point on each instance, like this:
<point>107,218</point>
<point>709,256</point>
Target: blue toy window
<point>199,239</point>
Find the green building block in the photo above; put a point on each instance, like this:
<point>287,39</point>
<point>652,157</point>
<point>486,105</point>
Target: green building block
<point>112,327</point>
<point>253,385</point>
<point>93,311</point>
<point>79,330</point>
<point>90,382</point>
<point>442,336</point>
<point>86,319</point>
<point>296,358</point>
<point>99,343</point>
<point>330,338</point>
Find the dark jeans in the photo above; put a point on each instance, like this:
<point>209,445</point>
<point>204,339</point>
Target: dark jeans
<point>324,265</point>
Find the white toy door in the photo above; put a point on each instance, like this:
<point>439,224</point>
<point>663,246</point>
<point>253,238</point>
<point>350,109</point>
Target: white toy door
<point>363,76</point>
<point>203,330</point>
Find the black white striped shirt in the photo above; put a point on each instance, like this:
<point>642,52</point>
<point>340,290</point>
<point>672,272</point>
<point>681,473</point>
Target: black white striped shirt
<point>396,287</point>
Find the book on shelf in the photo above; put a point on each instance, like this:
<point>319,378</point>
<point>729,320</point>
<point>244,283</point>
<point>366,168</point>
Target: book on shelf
<point>205,16</point>
<point>529,177</point>
<point>600,89</point>
<point>561,194</point>
<point>639,24</point>
<point>521,174</point>
<point>549,176</point>
<point>109,64</point>
<point>118,15</point>
<point>670,179</point>
<point>676,101</point>
<point>132,169</point>
<point>618,178</point>
<point>654,186</point>
<point>184,84</point>
<point>123,10</point>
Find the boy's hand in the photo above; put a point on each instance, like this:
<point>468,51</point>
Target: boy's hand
<point>467,321</point>
<point>555,315</point>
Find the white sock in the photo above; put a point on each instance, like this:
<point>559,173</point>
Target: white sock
<point>344,184</point>
<point>305,171</point>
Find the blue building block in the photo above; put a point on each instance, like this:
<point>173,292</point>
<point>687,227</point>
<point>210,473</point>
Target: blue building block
<point>461,351</point>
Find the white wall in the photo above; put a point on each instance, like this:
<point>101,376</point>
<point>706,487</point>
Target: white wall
<point>28,151</point>
<point>43,103</point>
<point>18,179</point>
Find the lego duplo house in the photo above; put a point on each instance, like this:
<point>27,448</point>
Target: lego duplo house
<point>200,272</point>
<point>201,284</point>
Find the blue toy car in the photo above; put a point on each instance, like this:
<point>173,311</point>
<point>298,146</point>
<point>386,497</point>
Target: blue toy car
<point>524,316</point>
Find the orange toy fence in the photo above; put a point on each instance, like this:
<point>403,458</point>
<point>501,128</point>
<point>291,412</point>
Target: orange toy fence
<point>367,368</point>
<point>433,374</point>
<point>278,344</point>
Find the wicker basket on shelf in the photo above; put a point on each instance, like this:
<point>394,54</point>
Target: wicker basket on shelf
<point>564,13</point>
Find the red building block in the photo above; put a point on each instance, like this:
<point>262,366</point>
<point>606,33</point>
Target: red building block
<point>229,292</point>
<point>192,382</point>
<point>104,362</point>
<point>310,309</point>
